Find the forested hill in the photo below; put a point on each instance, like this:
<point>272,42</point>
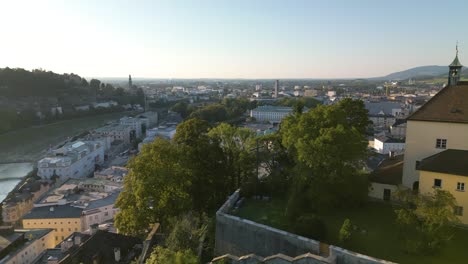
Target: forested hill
<point>20,82</point>
<point>30,97</point>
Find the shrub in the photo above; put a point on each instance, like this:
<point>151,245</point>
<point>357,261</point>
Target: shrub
<point>345,231</point>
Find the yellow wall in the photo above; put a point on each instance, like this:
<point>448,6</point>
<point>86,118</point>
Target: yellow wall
<point>32,250</point>
<point>63,227</point>
<point>449,183</point>
<point>421,143</point>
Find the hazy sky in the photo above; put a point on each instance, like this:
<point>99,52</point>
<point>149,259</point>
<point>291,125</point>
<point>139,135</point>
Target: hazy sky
<point>231,38</point>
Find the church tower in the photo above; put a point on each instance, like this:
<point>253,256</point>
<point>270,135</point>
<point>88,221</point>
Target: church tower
<point>454,70</point>
<point>130,85</point>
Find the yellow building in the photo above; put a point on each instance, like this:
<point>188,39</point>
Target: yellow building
<point>63,219</point>
<point>440,124</point>
<point>19,203</point>
<point>447,170</point>
<point>26,246</point>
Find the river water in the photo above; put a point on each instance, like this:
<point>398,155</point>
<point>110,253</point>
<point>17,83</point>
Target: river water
<point>10,176</point>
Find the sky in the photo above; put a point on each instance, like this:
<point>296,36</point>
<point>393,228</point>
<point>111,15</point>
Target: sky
<point>231,38</point>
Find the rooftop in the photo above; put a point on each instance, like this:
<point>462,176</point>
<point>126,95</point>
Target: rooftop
<point>101,245</point>
<point>271,108</point>
<point>450,161</point>
<point>56,211</point>
<point>449,105</point>
<point>389,171</point>
<point>383,107</point>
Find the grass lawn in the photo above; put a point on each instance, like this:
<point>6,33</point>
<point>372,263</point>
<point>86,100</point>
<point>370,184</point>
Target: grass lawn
<point>379,240</point>
<point>28,143</point>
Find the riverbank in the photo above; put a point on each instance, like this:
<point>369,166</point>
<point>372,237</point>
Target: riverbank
<point>29,144</point>
<point>12,175</point>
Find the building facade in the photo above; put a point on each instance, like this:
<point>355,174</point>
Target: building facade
<point>62,219</point>
<point>440,124</point>
<point>272,114</point>
<point>114,132</point>
<point>385,145</point>
<point>30,246</point>
<point>447,170</point>
<point>20,203</point>
<point>73,160</point>
<point>134,124</point>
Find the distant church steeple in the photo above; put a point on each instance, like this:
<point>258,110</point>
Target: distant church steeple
<point>130,85</point>
<point>455,70</point>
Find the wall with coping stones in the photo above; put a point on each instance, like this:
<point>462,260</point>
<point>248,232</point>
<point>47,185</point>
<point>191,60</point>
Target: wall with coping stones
<point>238,236</point>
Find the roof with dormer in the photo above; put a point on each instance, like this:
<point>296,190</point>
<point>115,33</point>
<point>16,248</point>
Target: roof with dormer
<point>449,105</point>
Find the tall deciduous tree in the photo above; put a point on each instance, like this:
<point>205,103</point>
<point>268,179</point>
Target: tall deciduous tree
<point>155,189</point>
<point>204,159</point>
<point>236,144</point>
<point>329,151</point>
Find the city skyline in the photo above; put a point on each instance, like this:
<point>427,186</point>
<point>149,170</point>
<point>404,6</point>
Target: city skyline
<point>231,40</point>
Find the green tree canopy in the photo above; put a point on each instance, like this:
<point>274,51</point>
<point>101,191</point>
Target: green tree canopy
<point>162,255</point>
<point>155,189</point>
<point>329,151</point>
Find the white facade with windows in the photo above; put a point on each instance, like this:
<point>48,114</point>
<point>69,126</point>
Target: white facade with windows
<point>385,145</point>
<point>115,132</point>
<point>73,160</point>
<point>133,123</point>
<point>268,113</point>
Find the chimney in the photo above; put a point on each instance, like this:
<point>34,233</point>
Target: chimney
<point>94,228</point>
<point>117,254</point>
<point>66,245</point>
<point>77,239</point>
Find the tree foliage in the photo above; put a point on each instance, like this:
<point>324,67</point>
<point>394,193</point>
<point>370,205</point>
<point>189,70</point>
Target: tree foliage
<point>345,231</point>
<point>195,171</point>
<point>329,151</point>
<point>425,220</point>
<point>161,255</point>
<point>155,189</point>
<point>236,144</point>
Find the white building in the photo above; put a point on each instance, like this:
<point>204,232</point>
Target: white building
<point>167,132</point>
<point>398,129</point>
<point>385,145</point>
<point>107,104</point>
<point>273,114</point>
<point>73,160</point>
<point>134,123</point>
<point>152,118</point>
<point>382,120</point>
<point>114,132</point>
<point>100,211</point>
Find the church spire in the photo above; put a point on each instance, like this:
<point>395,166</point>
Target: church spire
<point>454,69</point>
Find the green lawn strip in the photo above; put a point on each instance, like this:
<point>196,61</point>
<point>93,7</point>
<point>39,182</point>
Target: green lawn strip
<point>376,234</point>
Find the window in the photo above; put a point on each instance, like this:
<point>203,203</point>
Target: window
<point>437,183</point>
<point>458,210</point>
<point>461,186</point>
<point>441,143</point>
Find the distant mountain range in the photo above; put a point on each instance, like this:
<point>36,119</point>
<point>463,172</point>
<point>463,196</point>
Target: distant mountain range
<point>421,72</point>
